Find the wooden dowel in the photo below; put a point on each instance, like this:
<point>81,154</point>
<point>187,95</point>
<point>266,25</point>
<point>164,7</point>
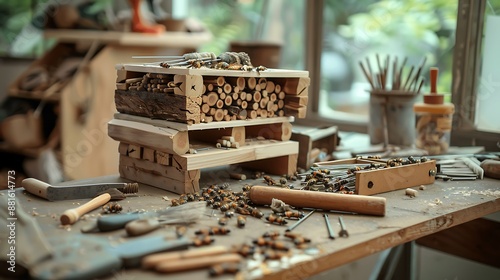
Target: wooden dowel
<point>369,205</point>
<point>196,263</point>
<point>155,259</point>
<point>277,88</point>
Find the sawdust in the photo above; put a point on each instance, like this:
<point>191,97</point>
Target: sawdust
<point>488,192</point>
<point>435,202</point>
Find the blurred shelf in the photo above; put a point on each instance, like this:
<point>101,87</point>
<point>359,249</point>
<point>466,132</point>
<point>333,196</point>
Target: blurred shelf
<point>167,39</point>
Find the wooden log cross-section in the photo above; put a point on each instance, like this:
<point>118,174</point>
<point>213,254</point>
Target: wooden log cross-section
<point>197,96</point>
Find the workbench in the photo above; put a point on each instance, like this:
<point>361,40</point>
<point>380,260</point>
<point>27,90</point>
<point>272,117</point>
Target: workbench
<point>438,208</point>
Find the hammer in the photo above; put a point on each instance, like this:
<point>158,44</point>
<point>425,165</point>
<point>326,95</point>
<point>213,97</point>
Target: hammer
<point>54,193</point>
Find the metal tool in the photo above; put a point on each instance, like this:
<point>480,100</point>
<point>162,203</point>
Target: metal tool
<point>185,213</point>
<point>54,193</point>
<point>290,228</point>
<point>331,235</point>
<point>343,231</point>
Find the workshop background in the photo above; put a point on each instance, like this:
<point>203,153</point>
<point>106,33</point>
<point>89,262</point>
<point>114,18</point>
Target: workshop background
<point>36,143</point>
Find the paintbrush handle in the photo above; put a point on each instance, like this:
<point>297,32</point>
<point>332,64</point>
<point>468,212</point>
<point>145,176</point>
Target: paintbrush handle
<point>70,216</point>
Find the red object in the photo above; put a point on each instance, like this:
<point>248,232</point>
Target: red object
<point>137,23</point>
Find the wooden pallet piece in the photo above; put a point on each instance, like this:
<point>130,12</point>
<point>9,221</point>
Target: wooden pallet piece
<point>181,173</point>
<point>164,177</point>
<point>202,126</point>
<point>277,131</point>
<point>145,135</point>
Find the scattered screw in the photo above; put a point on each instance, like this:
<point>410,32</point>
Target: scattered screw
<point>300,221</point>
<point>329,227</point>
<point>343,232</point>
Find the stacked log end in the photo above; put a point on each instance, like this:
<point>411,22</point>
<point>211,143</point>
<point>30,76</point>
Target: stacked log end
<point>196,98</point>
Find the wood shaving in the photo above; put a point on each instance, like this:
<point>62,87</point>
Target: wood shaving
<point>422,187</point>
<point>488,192</point>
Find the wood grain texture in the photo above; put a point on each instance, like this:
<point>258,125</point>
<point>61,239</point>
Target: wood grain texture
<point>145,135</point>
<point>164,106</point>
<point>477,240</point>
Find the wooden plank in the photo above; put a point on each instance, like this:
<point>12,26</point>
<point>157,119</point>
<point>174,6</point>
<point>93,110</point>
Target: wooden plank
<point>278,131</point>
<point>158,105</point>
<point>134,151</point>
<point>248,152</point>
<point>283,165</point>
<point>476,240</point>
<point>271,73</point>
<point>188,85</point>
<point>211,136</point>
<point>163,177</point>
<point>371,182</point>
<point>180,40</point>
<point>158,138</point>
<point>201,126</point>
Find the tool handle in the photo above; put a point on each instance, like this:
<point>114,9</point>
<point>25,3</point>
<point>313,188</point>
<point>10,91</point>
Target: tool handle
<point>36,187</point>
<point>361,204</point>
<point>141,226</point>
<point>491,168</point>
<point>194,263</point>
<point>70,216</point>
<point>434,75</point>
<point>117,221</point>
<point>155,259</point>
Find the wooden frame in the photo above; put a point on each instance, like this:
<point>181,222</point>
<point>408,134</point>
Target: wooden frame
<point>466,76</point>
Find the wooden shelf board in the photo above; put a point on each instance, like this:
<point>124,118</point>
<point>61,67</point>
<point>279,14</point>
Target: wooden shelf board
<point>249,152</point>
<point>202,126</point>
<point>269,73</point>
<point>167,39</point>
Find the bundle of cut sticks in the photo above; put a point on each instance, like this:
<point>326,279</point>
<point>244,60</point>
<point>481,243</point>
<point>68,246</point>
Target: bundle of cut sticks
<point>402,82</point>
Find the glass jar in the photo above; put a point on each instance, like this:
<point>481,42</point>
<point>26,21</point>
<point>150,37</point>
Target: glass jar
<point>433,124</point>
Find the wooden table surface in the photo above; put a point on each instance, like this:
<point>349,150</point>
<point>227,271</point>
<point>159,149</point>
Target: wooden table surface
<point>440,206</point>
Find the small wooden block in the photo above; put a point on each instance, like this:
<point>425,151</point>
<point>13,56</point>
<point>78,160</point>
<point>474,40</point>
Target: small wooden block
<point>134,151</point>
<point>298,112</point>
<point>296,100</point>
<point>297,86</point>
<point>189,85</point>
<point>148,154</point>
<point>371,182</point>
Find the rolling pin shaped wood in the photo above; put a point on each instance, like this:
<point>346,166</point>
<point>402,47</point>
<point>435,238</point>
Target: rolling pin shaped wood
<point>491,168</point>
<point>360,204</point>
<point>70,216</point>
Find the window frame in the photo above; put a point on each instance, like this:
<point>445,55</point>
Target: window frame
<point>467,59</point>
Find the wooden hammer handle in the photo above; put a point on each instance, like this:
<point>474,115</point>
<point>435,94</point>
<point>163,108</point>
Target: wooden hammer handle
<point>361,204</point>
<point>70,216</point>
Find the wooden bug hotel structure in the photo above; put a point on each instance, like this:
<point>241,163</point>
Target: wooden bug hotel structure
<point>173,122</point>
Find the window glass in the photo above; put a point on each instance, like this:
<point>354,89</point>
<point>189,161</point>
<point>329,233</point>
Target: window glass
<point>488,88</point>
<point>277,22</point>
<point>355,31</point>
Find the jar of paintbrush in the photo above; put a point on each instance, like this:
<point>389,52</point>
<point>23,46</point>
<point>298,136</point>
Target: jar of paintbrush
<point>433,120</point>
<point>394,91</point>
